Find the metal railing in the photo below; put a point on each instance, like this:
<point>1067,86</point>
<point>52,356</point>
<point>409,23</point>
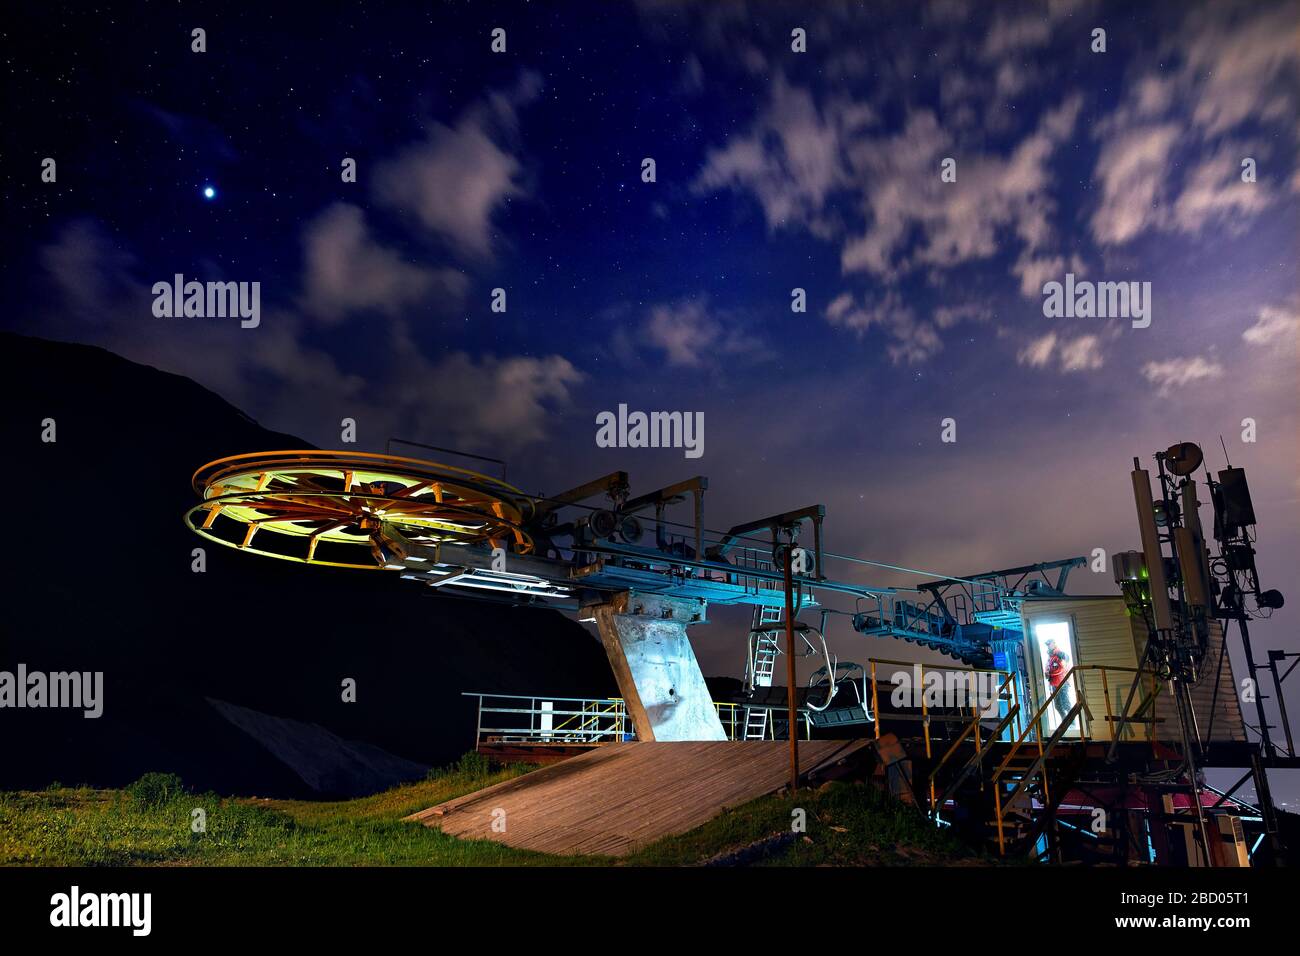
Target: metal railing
<point>1143,713</point>
<point>974,707</point>
<point>1074,721</point>
<point>999,678</point>
<point>1038,766</point>
<point>510,718</point>
<point>743,558</point>
<point>582,721</point>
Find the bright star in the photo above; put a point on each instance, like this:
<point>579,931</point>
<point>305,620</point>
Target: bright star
<point>209,192</point>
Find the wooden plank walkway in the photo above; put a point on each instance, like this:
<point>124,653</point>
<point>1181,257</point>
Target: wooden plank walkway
<point>622,796</point>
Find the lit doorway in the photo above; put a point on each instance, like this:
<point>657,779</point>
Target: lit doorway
<point>1056,657</point>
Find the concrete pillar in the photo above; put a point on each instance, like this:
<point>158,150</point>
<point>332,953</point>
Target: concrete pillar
<point>653,661</point>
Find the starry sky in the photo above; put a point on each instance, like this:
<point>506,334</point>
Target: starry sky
<point>775,170</point>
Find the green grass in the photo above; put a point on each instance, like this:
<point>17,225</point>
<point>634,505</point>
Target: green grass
<point>149,823</point>
<point>846,825</point>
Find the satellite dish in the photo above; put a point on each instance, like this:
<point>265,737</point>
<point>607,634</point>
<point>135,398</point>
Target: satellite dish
<point>1184,458</point>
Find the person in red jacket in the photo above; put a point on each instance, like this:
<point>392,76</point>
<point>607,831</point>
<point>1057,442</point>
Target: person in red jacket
<point>1055,668</point>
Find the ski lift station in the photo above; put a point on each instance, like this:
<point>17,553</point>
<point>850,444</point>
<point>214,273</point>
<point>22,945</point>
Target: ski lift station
<point>1040,724</point>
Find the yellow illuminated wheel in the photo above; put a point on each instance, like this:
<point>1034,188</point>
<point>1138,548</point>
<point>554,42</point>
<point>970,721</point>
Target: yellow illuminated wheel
<point>343,509</point>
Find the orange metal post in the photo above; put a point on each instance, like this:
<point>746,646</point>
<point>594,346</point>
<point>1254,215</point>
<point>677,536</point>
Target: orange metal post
<point>792,678</point>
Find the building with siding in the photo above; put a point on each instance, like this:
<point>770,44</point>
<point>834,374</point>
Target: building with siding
<point>1106,645</point>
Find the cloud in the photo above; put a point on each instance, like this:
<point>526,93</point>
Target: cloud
<point>946,316</point>
<point>1275,324</point>
<point>346,271</point>
<point>265,370</point>
<point>1011,35</point>
<point>956,222</point>
<point>790,160</point>
<point>1035,272</point>
<point>1173,374</point>
<point>1017,32</point>
<point>691,336</point>
<point>889,169</point>
<point>911,340</point>
<point>691,81</point>
<point>1231,65</point>
<point>1038,352</point>
<point>1012,79</point>
<point>1081,353</point>
<point>1164,160</point>
<point>1136,168</point>
<point>1133,167</point>
<point>455,180</point>
<point>90,270</point>
<point>1245,65</point>
<point>1223,66</point>
<point>839,309</point>
<point>491,402</point>
<point>1213,192</point>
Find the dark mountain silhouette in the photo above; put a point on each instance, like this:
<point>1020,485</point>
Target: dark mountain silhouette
<point>230,678</point>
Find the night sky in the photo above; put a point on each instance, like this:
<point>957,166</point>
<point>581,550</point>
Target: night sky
<point>775,170</point>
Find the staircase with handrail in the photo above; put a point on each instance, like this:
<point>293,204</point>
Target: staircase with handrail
<point>1010,789</point>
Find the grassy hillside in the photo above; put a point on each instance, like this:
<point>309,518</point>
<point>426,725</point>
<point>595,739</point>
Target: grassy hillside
<point>149,824</point>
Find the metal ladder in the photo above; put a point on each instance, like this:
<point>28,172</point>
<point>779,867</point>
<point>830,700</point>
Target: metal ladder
<point>763,665</point>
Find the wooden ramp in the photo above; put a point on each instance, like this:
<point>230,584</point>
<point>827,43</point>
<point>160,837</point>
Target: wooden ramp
<point>620,797</point>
